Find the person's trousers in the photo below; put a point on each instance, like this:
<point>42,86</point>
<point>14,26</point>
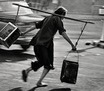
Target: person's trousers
<point>44,57</point>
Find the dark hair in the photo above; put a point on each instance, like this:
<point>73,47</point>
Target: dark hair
<point>60,11</point>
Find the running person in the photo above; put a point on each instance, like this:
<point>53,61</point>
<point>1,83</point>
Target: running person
<point>43,43</point>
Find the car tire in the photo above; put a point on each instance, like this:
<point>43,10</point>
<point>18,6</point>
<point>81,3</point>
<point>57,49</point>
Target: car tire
<point>25,47</point>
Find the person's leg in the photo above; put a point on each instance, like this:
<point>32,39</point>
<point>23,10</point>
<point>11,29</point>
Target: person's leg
<point>47,58</point>
<point>34,65</point>
<point>44,73</point>
<point>43,59</point>
<point>28,70</point>
<point>25,74</point>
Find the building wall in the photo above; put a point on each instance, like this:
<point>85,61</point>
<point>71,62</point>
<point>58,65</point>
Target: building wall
<point>82,6</point>
<point>73,6</point>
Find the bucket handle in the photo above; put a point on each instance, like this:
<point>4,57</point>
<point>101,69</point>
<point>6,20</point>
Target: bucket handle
<point>77,43</point>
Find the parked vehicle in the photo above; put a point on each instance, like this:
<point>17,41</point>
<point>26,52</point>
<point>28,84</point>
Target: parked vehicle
<point>25,19</point>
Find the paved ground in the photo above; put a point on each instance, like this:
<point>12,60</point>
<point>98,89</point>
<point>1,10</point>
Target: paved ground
<point>91,63</point>
<point>90,74</point>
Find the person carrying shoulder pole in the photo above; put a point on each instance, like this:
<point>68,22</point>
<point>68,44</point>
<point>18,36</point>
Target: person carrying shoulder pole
<point>44,45</point>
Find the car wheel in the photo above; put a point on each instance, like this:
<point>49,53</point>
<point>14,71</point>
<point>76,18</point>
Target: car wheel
<point>25,47</point>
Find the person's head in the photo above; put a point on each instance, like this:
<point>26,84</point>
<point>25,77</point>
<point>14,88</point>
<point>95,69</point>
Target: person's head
<point>61,11</point>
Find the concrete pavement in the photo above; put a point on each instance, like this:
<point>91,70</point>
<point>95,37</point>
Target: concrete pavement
<point>90,74</point>
<point>96,43</point>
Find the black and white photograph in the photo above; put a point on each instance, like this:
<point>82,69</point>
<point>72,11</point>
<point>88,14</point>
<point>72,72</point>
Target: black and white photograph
<point>51,45</point>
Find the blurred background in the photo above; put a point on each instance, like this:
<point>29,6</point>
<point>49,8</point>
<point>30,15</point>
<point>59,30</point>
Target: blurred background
<point>73,6</point>
<point>88,10</point>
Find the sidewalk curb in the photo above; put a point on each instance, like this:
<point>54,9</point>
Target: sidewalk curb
<point>96,43</point>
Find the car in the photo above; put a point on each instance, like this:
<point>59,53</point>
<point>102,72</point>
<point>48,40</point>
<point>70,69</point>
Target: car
<point>23,18</point>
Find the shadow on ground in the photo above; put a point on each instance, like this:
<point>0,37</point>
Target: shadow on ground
<point>56,89</point>
<point>16,89</point>
<point>82,50</point>
<point>14,55</point>
<point>61,89</point>
<point>34,88</point>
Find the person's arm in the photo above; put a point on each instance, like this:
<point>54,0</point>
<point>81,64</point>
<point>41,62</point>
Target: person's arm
<point>68,40</point>
<point>29,30</point>
<point>37,25</point>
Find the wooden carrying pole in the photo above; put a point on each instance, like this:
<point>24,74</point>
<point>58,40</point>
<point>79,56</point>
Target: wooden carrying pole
<point>52,13</point>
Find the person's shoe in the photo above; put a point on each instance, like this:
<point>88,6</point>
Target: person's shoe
<point>24,75</point>
<point>41,84</point>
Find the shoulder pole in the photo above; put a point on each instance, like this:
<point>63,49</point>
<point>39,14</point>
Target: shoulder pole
<point>52,13</point>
